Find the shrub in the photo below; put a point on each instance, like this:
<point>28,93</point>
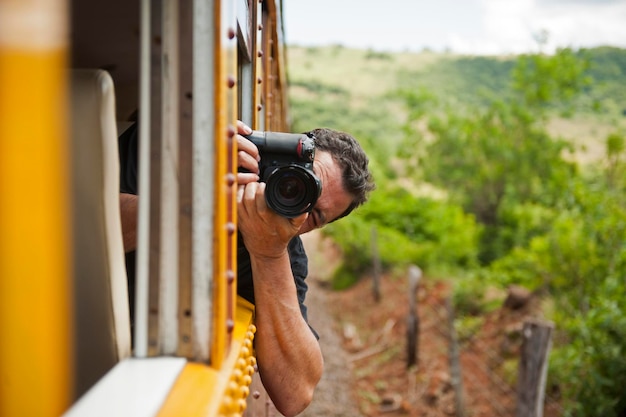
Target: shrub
<point>409,229</point>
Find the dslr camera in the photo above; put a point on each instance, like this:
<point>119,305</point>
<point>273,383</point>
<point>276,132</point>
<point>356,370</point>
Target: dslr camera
<point>286,167</point>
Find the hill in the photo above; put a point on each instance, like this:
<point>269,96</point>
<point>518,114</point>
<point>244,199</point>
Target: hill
<point>356,90</point>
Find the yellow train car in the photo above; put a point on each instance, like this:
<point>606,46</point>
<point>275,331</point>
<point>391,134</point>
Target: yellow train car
<point>72,76</point>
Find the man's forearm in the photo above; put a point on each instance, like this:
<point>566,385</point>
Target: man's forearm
<point>128,216</point>
<point>289,357</point>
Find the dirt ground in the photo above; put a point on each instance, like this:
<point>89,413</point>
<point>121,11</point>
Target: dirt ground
<point>333,396</point>
<point>365,353</point>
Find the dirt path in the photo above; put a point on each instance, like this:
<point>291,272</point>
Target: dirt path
<point>367,376</point>
<point>333,397</point>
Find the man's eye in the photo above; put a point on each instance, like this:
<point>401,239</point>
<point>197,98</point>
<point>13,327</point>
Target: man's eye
<point>317,218</point>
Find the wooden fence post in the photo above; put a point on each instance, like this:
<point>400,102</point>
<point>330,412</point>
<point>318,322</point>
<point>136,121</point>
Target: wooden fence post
<point>376,265</point>
<point>412,321</point>
<point>533,367</point>
<point>456,376</point>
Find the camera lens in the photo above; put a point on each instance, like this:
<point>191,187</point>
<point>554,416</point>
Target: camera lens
<point>292,190</point>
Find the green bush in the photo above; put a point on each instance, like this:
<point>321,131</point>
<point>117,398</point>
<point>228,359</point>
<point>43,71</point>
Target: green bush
<point>590,370</point>
<point>343,278</point>
<point>468,297</point>
<point>517,224</point>
<point>409,229</point>
<point>581,260</point>
<point>468,326</point>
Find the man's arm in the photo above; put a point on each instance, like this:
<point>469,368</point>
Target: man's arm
<point>288,354</point>
<point>128,216</point>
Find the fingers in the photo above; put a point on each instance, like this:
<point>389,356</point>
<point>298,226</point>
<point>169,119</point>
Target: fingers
<point>243,196</point>
<point>251,206</point>
<point>252,197</point>
<point>242,128</point>
<point>265,232</point>
<point>240,193</point>
<point>248,161</point>
<point>246,178</point>
<point>244,145</point>
<point>248,154</point>
<point>261,205</point>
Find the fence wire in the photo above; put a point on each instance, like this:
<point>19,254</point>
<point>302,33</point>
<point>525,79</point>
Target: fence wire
<point>478,362</point>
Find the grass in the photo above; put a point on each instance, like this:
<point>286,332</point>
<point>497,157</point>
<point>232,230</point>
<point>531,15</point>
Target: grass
<point>358,71</point>
<point>351,89</point>
<point>586,133</point>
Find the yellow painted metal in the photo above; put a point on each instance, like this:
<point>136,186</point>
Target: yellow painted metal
<point>194,392</point>
<point>203,390</point>
<point>218,347</point>
<point>257,79</point>
<point>225,149</point>
<point>35,342</point>
<point>231,169</point>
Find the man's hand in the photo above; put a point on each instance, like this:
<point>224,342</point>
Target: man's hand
<point>266,234</point>
<point>247,156</point>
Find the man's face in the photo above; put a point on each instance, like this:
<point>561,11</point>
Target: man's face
<point>334,200</point>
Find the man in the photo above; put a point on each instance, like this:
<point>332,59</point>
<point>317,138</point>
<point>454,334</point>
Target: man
<point>272,264</point>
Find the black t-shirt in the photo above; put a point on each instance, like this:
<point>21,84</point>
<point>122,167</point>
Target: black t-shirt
<point>128,152</point>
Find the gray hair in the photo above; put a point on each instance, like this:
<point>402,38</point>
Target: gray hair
<point>351,158</point>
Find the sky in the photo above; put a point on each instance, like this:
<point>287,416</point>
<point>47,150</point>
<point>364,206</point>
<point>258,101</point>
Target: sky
<point>475,27</point>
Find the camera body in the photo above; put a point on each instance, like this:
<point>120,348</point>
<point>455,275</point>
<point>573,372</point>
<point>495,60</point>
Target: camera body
<point>286,166</point>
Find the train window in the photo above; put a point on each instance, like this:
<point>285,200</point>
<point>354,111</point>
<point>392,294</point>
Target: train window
<point>245,35</point>
<point>247,39</point>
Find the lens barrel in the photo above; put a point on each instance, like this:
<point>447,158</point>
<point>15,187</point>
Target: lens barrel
<point>292,190</point>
